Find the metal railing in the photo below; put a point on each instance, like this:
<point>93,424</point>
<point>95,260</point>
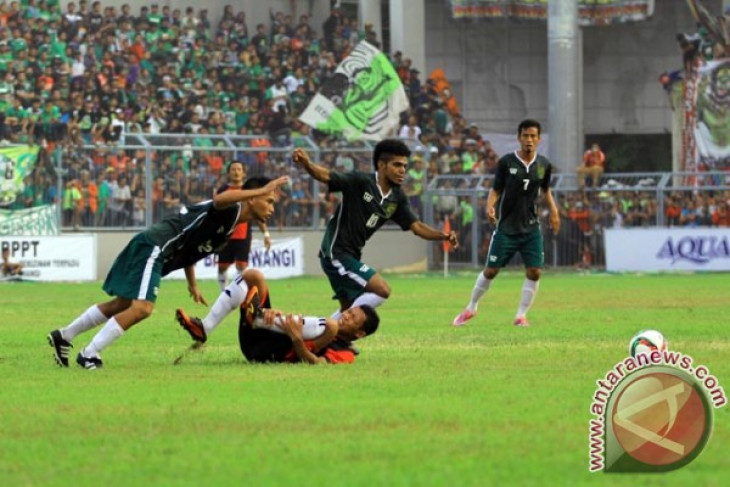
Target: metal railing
<point>620,200</point>
<point>165,171</point>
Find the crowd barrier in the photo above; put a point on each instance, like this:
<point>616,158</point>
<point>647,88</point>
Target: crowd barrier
<point>689,201</point>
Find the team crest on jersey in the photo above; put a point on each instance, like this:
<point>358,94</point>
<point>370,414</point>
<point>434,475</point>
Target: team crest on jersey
<point>513,170</point>
<point>368,197</point>
<point>540,172</point>
<point>390,209</point>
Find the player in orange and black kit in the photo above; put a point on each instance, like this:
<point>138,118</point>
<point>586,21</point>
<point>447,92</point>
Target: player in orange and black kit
<point>290,343</point>
<point>239,245</point>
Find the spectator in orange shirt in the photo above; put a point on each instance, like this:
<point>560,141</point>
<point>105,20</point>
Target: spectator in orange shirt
<point>594,162</point>
<point>721,216</point>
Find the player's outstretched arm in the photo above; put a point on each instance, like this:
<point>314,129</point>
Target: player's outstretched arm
<point>427,232</point>
<point>233,196</point>
<point>301,159</point>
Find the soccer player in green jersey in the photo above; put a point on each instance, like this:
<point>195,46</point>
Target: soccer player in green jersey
<point>512,207</point>
<point>368,201</point>
<point>177,242</point>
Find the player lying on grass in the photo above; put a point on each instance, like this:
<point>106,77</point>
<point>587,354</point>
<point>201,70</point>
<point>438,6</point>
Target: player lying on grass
<point>176,242</point>
<point>268,335</point>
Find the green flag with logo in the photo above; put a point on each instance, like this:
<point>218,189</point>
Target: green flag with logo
<point>362,100</point>
<point>15,164</point>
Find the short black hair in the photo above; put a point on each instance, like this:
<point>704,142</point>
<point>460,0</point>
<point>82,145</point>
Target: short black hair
<point>228,169</point>
<point>256,182</point>
<point>387,148</point>
<point>372,320</point>
<point>529,123</point>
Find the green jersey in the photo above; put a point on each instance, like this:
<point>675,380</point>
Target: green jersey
<point>362,211</point>
<point>194,233</point>
<point>519,183</point>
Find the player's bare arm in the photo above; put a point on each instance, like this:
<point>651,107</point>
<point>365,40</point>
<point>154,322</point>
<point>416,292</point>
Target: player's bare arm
<point>330,327</point>
<point>292,326</point>
<point>233,196</point>
<point>330,332</point>
<point>554,215</point>
<point>301,159</point>
<point>267,235</point>
<point>193,286</point>
<point>491,202</point>
<point>427,232</point>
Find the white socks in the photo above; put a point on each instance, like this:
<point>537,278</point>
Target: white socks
<point>371,299</point>
<point>312,327</point>
<point>86,321</point>
<point>105,337</point>
<point>480,287</point>
<point>229,300</point>
<point>222,280</point>
<point>529,291</point>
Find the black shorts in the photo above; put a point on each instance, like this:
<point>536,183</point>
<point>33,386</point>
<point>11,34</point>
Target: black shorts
<point>236,250</point>
<point>260,345</point>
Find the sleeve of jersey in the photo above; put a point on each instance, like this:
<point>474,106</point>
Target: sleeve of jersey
<point>403,215</point>
<point>339,181</point>
<point>545,184</point>
<point>500,174</point>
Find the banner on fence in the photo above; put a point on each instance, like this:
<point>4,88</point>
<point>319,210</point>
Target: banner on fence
<point>15,164</point>
<point>59,258</point>
<point>362,100</point>
<point>590,12</point>
<point>40,220</point>
<point>668,249</point>
<point>284,259</point>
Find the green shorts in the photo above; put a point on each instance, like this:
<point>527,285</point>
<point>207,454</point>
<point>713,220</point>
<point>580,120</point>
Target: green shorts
<point>529,245</point>
<point>136,271</point>
<point>348,276</point>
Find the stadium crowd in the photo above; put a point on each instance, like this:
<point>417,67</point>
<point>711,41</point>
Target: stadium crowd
<point>81,83</point>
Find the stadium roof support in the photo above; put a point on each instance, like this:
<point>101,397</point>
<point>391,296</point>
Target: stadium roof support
<point>565,85</point>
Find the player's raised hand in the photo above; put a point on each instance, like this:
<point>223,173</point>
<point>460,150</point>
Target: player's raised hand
<point>301,158</point>
<point>276,183</point>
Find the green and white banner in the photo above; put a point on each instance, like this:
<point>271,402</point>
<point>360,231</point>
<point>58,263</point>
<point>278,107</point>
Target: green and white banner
<point>15,164</point>
<point>41,220</point>
<point>590,12</point>
<point>362,100</point>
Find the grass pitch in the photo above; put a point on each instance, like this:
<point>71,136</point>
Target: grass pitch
<point>425,403</point>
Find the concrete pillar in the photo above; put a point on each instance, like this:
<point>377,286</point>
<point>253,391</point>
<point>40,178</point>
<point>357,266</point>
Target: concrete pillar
<point>370,13</point>
<point>408,31</point>
<point>564,85</point>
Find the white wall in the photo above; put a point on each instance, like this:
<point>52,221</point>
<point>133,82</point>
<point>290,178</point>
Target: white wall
<point>499,69</point>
